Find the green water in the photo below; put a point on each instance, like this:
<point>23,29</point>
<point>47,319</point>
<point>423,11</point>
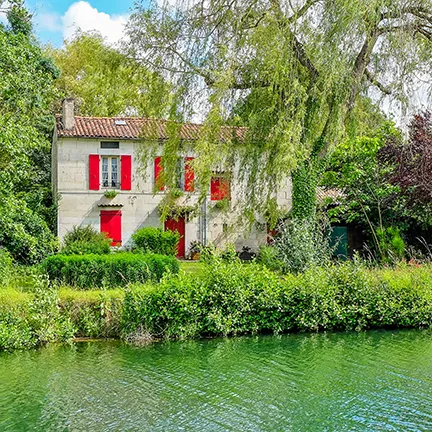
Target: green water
<point>337,382</point>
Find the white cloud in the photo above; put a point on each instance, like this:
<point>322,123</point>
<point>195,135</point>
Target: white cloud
<point>50,21</point>
<point>82,15</point>
<point>3,16</point>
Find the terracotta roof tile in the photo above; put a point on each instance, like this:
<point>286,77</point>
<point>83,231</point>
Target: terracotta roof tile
<point>134,128</point>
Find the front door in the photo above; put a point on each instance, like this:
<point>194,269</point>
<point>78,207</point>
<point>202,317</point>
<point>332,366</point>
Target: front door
<point>179,226</point>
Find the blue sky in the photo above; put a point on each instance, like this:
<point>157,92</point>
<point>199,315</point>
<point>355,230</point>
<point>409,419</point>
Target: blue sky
<point>56,20</point>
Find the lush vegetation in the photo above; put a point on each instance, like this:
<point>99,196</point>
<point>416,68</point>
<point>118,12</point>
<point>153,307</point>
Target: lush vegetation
<point>235,299</point>
<point>106,82</point>
<point>156,240</point>
<point>114,270</point>
<point>293,72</point>
<point>27,212</point>
<point>85,240</point>
<point>222,299</point>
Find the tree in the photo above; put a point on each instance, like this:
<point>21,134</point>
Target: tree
<point>412,162</point>
<point>26,122</point>
<point>106,82</point>
<point>299,66</point>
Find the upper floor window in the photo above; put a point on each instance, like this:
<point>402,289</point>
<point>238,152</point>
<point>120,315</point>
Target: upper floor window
<point>110,171</point>
<point>220,187</point>
<point>110,144</point>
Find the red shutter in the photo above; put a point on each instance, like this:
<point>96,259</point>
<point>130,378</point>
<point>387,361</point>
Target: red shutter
<point>214,188</point>
<point>94,181</point>
<point>126,172</point>
<point>110,223</point>
<point>189,175</point>
<point>219,188</point>
<point>158,172</point>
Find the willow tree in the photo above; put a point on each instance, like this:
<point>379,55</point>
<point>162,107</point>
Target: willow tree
<point>104,81</point>
<point>295,67</point>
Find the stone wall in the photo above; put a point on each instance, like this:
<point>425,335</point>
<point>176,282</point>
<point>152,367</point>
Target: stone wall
<point>79,206</point>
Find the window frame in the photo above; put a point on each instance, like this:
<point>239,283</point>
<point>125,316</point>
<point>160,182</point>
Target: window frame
<point>110,171</point>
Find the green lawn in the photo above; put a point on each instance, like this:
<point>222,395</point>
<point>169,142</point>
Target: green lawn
<point>194,267</point>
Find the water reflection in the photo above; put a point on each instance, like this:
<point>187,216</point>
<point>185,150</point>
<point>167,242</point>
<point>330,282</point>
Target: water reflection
<point>335,382</point>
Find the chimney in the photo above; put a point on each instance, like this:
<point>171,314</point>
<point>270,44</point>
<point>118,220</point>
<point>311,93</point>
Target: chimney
<point>68,115</point>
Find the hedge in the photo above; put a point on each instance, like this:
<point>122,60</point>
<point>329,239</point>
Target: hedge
<point>235,299</point>
<point>115,270</point>
<point>156,240</point>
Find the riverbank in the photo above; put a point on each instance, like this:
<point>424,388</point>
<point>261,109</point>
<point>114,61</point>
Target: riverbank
<point>222,300</point>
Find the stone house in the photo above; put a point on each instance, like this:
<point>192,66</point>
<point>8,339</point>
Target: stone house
<point>93,155</point>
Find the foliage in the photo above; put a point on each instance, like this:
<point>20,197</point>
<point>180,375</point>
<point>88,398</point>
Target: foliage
<point>222,205</point>
<point>110,194</point>
<point>390,244</point>
<point>83,240</point>
<point>26,96</point>
<point>300,244</point>
<point>294,69</point>
<point>115,270</point>
<point>34,321</point>
<point>106,82</point>
<point>411,162</point>
<point>268,257</point>
<point>156,240</point>
<point>6,267</point>
<point>24,233</point>
<point>232,299</point>
<point>93,313</point>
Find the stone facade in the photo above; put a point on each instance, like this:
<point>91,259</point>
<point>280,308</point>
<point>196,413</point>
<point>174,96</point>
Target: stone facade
<point>139,206</point>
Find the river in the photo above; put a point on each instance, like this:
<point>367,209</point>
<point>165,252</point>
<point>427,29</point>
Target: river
<point>371,381</point>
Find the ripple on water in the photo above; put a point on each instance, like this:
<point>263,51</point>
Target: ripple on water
<point>336,382</point>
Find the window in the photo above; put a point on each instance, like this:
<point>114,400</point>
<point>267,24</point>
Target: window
<point>184,174</point>
<point>220,187</point>
<point>110,171</point>
<point>110,144</point>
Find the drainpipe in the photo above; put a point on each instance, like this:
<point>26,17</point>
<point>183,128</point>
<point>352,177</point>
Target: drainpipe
<point>204,211</point>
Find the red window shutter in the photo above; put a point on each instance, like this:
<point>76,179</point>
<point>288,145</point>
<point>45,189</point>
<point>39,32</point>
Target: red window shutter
<point>189,175</point>
<point>158,173</point>
<point>126,172</point>
<point>94,181</point>
<point>110,223</point>
<point>214,188</point>
<point>219,188</point>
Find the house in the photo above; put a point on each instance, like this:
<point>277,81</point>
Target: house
<point>101,180</point>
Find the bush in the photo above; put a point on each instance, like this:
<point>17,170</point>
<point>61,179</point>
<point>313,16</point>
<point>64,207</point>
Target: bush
<point>24,233</point>
<point>156,240</point>
<point>84,240</point>
<point>93,271</point>
<point>5,267</point>
<point>302,244</point>
<point>231,299</point>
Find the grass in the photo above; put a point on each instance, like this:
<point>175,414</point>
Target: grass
<point>192,267</point>
<point>10,297</point>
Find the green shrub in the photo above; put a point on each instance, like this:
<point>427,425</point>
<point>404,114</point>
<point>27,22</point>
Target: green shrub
<point>268,256</point>
<point>156,240</point>
<point>115,270</point>
<point>6,267</point>
<point>93,313</point>
<point>83,240</point>
<point>24,233</point>
<point>301,244</point>
<point>30,321</point>
<point>232,299</point>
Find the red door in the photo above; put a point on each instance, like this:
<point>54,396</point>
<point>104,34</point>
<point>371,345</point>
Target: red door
<point>178,225</point>
<point>110,223</point>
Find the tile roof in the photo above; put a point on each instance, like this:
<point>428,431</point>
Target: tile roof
<point>134,128</point>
